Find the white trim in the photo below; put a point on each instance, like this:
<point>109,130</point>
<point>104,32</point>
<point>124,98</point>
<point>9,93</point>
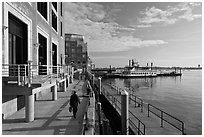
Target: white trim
<point>46,35</point>
<point>8,7</point>
<point>53,8</point>
<point>48,11</point>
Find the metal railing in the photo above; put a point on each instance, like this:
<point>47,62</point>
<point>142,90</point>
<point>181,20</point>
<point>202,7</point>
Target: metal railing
<point>164,116</point>
<point>140,126</point>
<point>26,72</point>
<point>138,101</point>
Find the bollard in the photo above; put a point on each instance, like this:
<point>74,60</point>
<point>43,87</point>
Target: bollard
<point>29,108</point>
<point>124,113</point>
<point>54,92</point>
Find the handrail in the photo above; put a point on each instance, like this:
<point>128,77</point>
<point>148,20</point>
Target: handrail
<point>140,104</point>
<point>138,126</point>
<point>26,72</point>
<point>163,118</point>
<point>115,102</point>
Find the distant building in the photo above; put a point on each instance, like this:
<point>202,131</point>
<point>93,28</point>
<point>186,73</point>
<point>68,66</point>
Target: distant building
<point>76,51</point>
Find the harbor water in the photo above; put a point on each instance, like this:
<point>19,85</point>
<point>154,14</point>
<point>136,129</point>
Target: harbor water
<point>179,96</point>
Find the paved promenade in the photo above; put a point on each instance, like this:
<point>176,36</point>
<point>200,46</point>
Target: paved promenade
<point>51,117</point>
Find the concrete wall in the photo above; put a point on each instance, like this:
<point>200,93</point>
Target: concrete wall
<point>111,114</point>
<point>9,105</point>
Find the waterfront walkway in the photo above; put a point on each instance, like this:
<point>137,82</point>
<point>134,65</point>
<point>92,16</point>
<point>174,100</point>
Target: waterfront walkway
<point>152,123</point>
<point>51,117</point>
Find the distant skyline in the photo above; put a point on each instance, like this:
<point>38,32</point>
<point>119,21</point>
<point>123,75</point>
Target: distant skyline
<point>165,33</point>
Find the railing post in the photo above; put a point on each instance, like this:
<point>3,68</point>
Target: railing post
<point>138,128</point>
<point>29,73</point>
<point>25,71</point>
<point>135,101</point>
<point>183,129</point>
<point>93,79</point>
<point>141,106</point>
<point>148,110</point>
<point>124,113</point>
<point>99,118</point>
<point>99,85</point>
<point>19,78</point>
<point>161,118</point>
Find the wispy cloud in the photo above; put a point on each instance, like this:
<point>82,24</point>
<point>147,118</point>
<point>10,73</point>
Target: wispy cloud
<point>171,15</point>
<point>102,34</point>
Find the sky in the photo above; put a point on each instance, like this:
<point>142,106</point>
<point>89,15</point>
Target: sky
<point>165,33</point>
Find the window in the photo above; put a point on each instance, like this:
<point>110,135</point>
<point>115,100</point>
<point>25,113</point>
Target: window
<point>61,29</point>
<point>42,8</point>
<point>61,8</point>
<point>54,5</point>
<point>54,21</point>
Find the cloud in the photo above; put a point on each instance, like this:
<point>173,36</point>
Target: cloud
<point>88,19</point>
<point>143,26</point>
<point>171,15</point>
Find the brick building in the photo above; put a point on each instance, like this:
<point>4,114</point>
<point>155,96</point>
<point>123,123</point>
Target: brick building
<point>31,31</point>
<point>76,51</point>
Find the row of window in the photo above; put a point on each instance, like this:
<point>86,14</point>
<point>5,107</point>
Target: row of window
<point>42,7</point>
<point>77,55</point>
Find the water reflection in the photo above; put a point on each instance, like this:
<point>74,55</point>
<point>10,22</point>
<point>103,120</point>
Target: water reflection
<point>140,83</point>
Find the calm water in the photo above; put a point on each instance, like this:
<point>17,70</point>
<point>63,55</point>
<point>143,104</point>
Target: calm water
<point>179,96</point>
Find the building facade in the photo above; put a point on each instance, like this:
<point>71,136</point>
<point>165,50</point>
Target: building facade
<point>31,31</point>
<point>76,51</point>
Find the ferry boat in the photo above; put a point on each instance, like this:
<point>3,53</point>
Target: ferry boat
<point>134,70</point>
<point>138,72</point>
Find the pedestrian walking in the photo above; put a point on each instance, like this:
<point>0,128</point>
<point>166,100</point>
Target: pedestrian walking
<point>74,101</point>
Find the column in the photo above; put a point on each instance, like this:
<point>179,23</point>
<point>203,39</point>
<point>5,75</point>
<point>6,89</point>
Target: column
<point>124,113</point>
<point>29,108</point>
<point>54,92</point>
<point>65,85</point>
